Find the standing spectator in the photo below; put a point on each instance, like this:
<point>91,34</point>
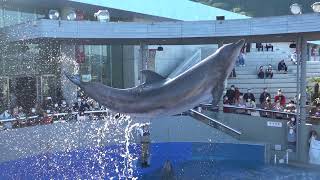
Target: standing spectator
<point>269,72</point>
<point>282,67</point>
<point>292,138</point>
<point>231,94</point>
<point>314,151</point>
<point>293,57</point>
<point>269,46</point>
<point>264,95</point>
<point>261,73</point>
<point>259,46</point>
<point>248,47</point>
<point>249,95</point>
<point>241,59</point>
<point>280,97</point>
<point>315,92</point>
<point>233,73</point>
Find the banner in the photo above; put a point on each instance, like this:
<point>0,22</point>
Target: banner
<point>314,151</point>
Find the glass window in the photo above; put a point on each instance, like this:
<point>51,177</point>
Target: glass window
<point>11,16</point>
<point>27,15</point>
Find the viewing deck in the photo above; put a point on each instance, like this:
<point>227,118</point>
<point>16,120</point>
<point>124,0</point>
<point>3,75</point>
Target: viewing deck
<point>268,29</point>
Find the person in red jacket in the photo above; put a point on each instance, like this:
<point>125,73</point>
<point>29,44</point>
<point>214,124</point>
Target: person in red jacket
<point>281,98</point>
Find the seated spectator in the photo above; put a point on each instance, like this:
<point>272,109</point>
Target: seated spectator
<point>6,115</point>
<point>226,100</point>
<point>249,95</point>
<point>280,97</point>
<point>64,107</point>
<point>250,104</point>
<point>231,94</point>
<point>264,95</point>
<point>46,119</point>
<point>237,95</point>
<point>278,107</point>
<point>290,108</point>
<point>241,104</point>
<point>259,46</point>
<point>241,59</point>
<point>233,73</point>
<point>261,73</point>
<point>292,135</point>
<point>269,72</point>
<point>269,46</point>
<point>21,113</point>
<point>267,105</point>
<point>282,67</point>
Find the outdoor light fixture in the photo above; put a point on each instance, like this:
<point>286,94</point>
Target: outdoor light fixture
<point>54,14</point>
<point>102,15</point>
<point>296,9</point>
<point>72,15</point>
<point>316,7</point>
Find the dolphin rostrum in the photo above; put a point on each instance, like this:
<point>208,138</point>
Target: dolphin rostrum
<point>161,96</point>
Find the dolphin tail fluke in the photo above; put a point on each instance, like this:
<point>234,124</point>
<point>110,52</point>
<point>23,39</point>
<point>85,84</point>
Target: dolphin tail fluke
<point>75,79</point>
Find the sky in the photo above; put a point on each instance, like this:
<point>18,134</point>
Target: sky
<point>185,10</point>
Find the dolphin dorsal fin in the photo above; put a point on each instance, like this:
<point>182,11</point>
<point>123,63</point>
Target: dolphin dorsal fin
<point>152,76</point>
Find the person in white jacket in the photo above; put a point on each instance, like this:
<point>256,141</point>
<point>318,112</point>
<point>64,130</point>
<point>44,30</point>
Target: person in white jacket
<point>314,150</point>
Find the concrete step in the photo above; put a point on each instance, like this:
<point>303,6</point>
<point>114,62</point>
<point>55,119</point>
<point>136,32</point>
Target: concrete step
<point>262,81</point>
<point>270,85</point>
<point>254,76</point>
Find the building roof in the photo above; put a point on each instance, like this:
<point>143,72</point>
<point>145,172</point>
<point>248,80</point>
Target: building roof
<point>185,10</point>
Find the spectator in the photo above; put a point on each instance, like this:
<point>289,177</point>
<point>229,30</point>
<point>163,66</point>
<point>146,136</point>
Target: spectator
<point>264,95</point>
<point>64,107</point>
<point>315,94</point>
<point>290,108</point>
<point>282,67</point>
<point>269,46</point>
<point>241,104</point>
<point>267,105</point>
<point>46,119</point>
<point>259,46</point>
<point>314,150</point>
<point>231,94</point>
<point>226,100</point>
<point>241,59</point>
<point>293,57</point>
<point>233,73</point>
<point>6,115</point>
<point>237,95</point>
<point>292,138</point>
<point>261,73</point>
<point>269,72</point>
<point>278,107</point>
<point>280,97</point>
<point>250,104</point>
<point>249,95</point>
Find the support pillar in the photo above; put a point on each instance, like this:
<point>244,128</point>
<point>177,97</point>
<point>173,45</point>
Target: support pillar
<point>143,61</point>
<point>302,130</point>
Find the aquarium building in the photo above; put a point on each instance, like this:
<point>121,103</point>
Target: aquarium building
<point>32,63</point>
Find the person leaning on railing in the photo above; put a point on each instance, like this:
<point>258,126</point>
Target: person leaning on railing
<point>267,105</point>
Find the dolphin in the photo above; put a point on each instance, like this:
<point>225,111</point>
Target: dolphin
<point>163,96</point>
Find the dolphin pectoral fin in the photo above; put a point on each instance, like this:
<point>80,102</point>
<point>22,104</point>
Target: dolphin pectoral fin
<point>75,79</point>
<point>217,93</point>
<point>152,76</point>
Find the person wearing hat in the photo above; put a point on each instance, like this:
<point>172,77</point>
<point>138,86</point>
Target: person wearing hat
<point>280,97</point>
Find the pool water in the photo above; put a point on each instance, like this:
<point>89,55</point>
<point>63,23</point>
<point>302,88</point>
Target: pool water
<point>189,161</point>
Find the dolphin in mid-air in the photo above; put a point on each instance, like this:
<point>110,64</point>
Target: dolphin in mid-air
<point>162,96</point>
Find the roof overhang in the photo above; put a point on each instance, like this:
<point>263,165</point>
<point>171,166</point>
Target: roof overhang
<point>271,29</point>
